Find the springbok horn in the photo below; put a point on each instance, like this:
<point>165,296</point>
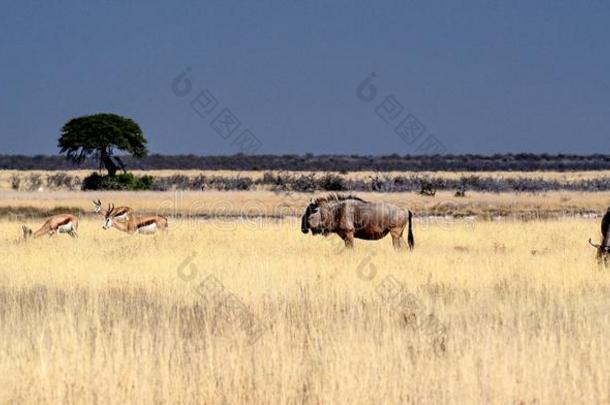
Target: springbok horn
<point>594,245</point>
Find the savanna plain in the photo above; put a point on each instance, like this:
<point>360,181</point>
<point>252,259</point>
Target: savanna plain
<point>250,310</point>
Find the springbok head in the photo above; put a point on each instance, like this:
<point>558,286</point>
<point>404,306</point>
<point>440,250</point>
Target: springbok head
<point>109,217</point>
<point>98,206</point>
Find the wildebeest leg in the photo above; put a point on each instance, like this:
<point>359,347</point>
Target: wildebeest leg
<point>397,240</point>
<point>348,238</point>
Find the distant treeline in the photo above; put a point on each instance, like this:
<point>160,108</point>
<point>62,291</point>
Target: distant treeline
<point>309,183</point>
<point>339,163</point>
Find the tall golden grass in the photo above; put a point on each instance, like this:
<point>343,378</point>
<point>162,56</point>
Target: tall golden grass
<point>112,318</point>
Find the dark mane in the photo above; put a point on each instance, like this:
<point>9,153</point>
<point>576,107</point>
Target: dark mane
<point>336,197</point>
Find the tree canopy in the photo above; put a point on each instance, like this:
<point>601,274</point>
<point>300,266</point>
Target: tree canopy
<point>99,136</point>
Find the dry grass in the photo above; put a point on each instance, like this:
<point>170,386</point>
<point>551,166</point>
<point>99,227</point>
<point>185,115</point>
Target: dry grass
<point>109,319</point>
<point>269,204</point>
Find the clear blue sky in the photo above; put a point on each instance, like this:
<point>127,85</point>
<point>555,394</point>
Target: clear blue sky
<point>482,77</point>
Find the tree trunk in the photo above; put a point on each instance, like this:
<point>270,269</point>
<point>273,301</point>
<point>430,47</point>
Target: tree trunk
<point>108,163</point>
<point>121,164</point>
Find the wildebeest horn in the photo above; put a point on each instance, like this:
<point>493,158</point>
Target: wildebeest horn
<point>594,245</point>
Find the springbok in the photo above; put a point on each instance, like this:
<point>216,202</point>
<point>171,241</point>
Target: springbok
<point>63,223</point>
<point>135,224</point>
<point>120,213</point>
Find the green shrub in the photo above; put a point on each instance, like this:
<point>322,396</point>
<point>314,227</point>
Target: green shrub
<point>124,181</point>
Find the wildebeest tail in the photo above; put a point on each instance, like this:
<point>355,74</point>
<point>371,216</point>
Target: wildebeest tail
<point>410,238</point>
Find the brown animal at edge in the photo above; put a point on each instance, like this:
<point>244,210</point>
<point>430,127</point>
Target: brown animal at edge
<point>352,217</point>
<point>63,223</point>
<point>603,249</point>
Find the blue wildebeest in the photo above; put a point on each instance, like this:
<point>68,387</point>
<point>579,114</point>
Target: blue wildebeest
<point>352,217</point>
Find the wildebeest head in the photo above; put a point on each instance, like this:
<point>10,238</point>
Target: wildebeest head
<point>311,219</point>
<point>321,214</point>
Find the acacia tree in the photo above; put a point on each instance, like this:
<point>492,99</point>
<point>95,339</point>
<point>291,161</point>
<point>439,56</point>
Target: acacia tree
<point>99,136</point>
